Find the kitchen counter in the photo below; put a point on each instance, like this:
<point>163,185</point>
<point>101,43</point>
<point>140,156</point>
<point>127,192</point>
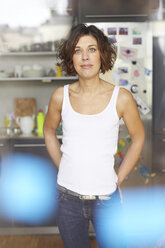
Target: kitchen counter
<point>32,144</point>
<point>21,136</point>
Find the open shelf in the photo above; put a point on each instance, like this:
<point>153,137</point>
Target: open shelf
<point>37,79</point>
<point>28,53</point>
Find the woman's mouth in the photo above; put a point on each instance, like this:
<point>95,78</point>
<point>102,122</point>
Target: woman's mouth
<point>88,66</point>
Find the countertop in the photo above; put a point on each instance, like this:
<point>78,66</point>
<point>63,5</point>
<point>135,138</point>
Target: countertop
<point>21,136</point>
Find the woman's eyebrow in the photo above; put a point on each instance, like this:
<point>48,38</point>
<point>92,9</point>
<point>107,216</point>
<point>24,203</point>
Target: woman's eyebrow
<point>92,45</point>
<point>88,46</point>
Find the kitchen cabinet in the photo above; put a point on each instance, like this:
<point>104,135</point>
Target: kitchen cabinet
<point>2,144</point>
<point>29,145</point>
<point>115,10</point>
<point>35,146</point>
<point>4,148</point>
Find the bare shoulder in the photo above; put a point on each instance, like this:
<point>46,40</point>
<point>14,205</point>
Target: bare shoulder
<point>125,102</point>
<point>125,96</point>
<point>57,95</point>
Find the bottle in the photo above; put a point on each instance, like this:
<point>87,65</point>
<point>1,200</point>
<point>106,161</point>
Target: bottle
<point>40,122</point>
<point>58,71</point>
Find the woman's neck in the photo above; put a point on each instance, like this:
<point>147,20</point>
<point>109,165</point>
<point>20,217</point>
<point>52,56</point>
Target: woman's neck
<point>89,86</point>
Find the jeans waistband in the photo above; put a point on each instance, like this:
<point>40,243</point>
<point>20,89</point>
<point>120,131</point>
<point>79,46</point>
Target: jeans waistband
<point>84,197</point>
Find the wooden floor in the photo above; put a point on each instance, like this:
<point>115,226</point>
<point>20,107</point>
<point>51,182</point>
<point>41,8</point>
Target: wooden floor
<point>35,241</point>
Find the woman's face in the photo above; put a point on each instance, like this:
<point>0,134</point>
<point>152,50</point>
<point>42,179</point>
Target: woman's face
<point>86,57</point>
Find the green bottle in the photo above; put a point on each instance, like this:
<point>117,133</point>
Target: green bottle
<point>40,122</point>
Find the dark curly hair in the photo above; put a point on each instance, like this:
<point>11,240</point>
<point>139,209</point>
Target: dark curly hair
<point>66,49</point>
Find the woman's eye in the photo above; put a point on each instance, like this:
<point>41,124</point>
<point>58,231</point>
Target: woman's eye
<point>92,49</point>
<point>77,51</point>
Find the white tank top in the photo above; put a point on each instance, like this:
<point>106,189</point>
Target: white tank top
<point>88,147</point>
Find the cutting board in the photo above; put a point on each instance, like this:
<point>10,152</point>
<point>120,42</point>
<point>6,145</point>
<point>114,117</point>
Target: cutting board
<point>24,107</point>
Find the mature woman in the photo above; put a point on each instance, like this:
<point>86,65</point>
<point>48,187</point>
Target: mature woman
<point>90,110</point>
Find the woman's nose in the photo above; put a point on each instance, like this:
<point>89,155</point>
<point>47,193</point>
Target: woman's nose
<point>85,55</point>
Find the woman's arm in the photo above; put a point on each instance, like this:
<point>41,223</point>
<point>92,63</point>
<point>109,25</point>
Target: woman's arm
<point>127,109</point>
<point>51,123</point>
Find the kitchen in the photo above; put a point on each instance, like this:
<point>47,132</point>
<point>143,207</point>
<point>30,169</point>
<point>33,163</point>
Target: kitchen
<point>29,69</point>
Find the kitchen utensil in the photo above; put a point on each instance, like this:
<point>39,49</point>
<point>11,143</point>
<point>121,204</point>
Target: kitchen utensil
<point>4,74</point>
<point>18,71</point>
<point>33,71</point>
<point>26,123</point>
<point>24,107</point>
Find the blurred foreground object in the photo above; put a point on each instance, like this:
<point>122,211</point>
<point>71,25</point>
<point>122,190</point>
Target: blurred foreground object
<point>142,220</point>
<point>27,188</point>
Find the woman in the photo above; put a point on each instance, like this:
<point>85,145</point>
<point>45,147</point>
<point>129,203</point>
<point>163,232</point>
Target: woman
<point>90,110</point>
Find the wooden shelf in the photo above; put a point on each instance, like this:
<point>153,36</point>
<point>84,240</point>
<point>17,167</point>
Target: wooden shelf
<point>28,53</point>
<point>43,79</point>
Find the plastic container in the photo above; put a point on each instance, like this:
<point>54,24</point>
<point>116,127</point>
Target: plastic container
<point>40,122</point>
<point>58,71</point>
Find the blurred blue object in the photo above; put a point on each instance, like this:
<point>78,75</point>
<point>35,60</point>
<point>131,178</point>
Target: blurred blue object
<point>109,223</point>
<point>27,188</point>
<point>142,218</point>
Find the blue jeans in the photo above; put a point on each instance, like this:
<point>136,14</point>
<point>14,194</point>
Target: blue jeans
<point>73,218</point>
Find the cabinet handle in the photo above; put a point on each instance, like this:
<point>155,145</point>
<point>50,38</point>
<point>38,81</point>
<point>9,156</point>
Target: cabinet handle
<point>29,145</point>
<point>1,145</point>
